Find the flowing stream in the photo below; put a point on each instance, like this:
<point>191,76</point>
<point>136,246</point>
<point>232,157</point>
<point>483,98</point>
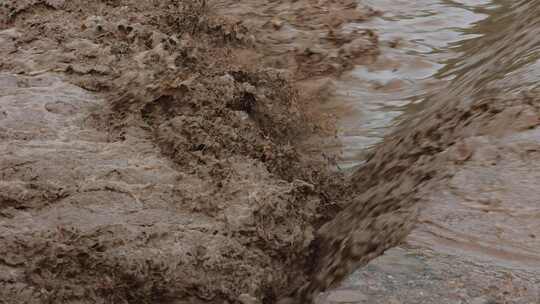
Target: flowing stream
<point>485,224</point>
<point>419,39</point>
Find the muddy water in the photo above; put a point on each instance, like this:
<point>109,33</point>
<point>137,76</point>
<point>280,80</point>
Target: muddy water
<point>418,38</point>
<point>164,151</point>
<point>492,213</point>
<point>478,235</point>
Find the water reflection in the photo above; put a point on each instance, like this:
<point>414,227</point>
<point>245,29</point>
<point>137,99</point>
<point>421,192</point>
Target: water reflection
<point>418,40</point>
<point>483,220</point>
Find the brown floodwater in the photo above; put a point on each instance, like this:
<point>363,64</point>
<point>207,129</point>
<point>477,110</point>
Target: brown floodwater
<point>488,212</point>
<point>490,208</point>
<point>456,80</point>
<point>418,40</point>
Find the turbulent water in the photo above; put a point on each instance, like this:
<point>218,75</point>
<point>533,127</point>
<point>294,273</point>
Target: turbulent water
<point>502,63</point>
<point>442,56</point>
<point>155,151</point>
<point>426,44</point>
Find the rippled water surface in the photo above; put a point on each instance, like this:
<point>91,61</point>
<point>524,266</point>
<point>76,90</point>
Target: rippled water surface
<point>488,213</point>
<point>419,41</point>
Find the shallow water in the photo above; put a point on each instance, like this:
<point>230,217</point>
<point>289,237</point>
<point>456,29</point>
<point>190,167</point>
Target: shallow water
<point>490,209</point>
<point>418,41</point>
<point>484,221</point>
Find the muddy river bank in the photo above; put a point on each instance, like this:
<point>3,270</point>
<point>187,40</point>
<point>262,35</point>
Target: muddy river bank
<point>261,152</point>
